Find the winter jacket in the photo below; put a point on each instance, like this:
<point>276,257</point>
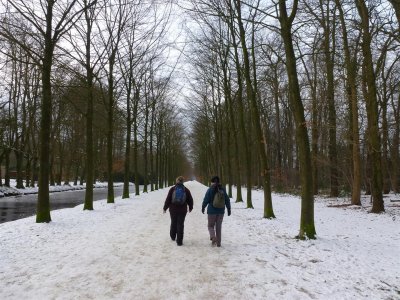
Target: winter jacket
<point>208,200</point>
<point>178,208</point>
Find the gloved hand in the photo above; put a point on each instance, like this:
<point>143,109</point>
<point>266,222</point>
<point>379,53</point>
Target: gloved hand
<point>229,212</point>
<point>202,210</point>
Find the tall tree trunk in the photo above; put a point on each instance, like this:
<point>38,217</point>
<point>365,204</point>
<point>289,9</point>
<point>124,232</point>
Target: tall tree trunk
<point>163,164</point>
<point>351,91</point>
<point>34,171</point>
<point>238,162</point>
<point>219,131</point>
<point>329,49</point>
<point>279,173</point>
<point>385,139</point>
<point>329,61</point>
<point>152,187</point>
<point>61,162</point>
<point>89,165</point>
<point>314,138</point>
<point>374,143</point>
<point>76,175</point>
<point>307,227</point>
<point>145,156</point>
<point>251,94</point>
<point>110,131</point>
<point>43,205</point>
<point>127,162</point>
<point>67,175</point>
<point>28,170</point>
<point>52,177</point>
<point>384,100</point>
<point>83,172</point>
<point>242,125</point>
<point>89,160</point>
<point>135,140</point>
<point>158,157</point>
<point>7,152</point>
<point>355,135</point>
<point>19,161</point>
<point>110,134</point>
<point>228,158</point>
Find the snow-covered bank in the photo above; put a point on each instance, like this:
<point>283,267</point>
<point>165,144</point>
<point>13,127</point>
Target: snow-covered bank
<point>123,251</point>
<point>13,191</point>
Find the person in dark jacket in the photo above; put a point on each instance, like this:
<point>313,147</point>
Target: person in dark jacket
<point>178,211</point>
<point>215,215</point>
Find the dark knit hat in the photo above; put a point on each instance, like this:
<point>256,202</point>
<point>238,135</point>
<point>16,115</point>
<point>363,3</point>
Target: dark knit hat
<point>215,179</point>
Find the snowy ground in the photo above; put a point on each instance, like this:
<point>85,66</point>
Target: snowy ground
<point>123,251</point>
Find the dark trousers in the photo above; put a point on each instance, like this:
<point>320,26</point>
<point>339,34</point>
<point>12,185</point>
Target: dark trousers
<point>177,226</point>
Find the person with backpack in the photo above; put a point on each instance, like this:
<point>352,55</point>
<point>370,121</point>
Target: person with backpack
<point>179,201</point>
<point>216,199</point>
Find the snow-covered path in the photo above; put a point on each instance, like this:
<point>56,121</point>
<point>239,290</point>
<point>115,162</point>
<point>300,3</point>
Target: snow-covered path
<point>123,251</point>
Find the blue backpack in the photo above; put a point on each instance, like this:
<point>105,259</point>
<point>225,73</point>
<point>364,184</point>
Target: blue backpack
<point>179,195</point>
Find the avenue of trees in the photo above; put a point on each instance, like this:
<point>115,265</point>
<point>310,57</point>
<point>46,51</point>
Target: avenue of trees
<point>297,96</point>
<point>86,95</point>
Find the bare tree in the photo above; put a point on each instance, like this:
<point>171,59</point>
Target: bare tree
<point>324,14</point>
<point>307,228</point>
<point>251,92</point>
<point>374,140</point>
<point>115,16</point>
<point>240,103</point>
<point>50,20</point>
<point>351,91</point>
